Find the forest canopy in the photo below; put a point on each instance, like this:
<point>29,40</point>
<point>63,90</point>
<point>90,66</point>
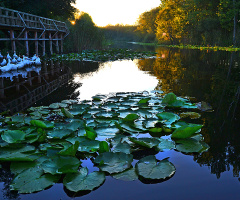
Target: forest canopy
<point>198,22</point>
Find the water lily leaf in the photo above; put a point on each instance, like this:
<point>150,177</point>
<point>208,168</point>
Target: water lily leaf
<point>131,117</point>
<point>90,133</point>
<point>186,131</point>
<point>33,180</point>
<point>127,175</point>
<point>189,145</point>
<point>13,136</point>
<point>41,124</point>
<point>71,150</point>
<point>61,165</point>
<point>123,147</point>
<point>144,100</point>
<point>103,147</point>
<point>167,117</point>
<point>18,118</point>
<point>165,145</point>
<point>89,146</point>
<point>191,115</point>
<point>114,162</point>
<point>66,113</point>
<point>82,181</point>
<point>149,168</point>
<point>59,133</point>
<point>144,113</point>
<point>74,125</point>
<point>25,153</point>
<point>169,98</point>
<point>106,115</point>
<point>108,131</point>
<point>145,142</point>
<point>150,123</point>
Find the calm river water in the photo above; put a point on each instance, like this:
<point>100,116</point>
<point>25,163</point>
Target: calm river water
<point>209,76</point>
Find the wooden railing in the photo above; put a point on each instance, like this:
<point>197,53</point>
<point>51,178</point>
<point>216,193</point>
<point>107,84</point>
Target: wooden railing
<point>17,19</point>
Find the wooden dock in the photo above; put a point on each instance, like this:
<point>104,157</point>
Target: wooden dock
<point>26,29</point>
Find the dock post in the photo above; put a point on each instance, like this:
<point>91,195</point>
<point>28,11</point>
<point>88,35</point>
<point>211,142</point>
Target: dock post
<point>43,44</point>
<point>26,42</point>
<point>50,43</point>
<point>57,44</point>
<point>36,42</point>
<point>61,43</point>
<point>12,40</point>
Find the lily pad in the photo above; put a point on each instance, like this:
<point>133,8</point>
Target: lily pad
<point>145,142</point>
<point>114,162</point>
<point>82,181</point>
<point>61,165</point>
<point>149,168</point>
<point>186,131</point>
<point>127,175</point>
<point>167,117</point>
<point>33,180</point>
<point>13,136</point>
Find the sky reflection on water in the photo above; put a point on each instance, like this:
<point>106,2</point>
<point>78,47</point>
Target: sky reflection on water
<point>112,77</point>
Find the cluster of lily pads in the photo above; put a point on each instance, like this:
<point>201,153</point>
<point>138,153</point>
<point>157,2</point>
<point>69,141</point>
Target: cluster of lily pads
<point>105,55</point>
<point>47,144</point>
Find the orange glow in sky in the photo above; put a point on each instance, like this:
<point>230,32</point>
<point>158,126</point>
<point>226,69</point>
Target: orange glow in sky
<point>104,12</point>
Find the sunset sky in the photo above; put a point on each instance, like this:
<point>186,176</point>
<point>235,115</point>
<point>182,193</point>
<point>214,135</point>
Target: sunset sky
<point>106,12</point>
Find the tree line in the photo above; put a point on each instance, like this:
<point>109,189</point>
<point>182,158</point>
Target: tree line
<point>196,22</point>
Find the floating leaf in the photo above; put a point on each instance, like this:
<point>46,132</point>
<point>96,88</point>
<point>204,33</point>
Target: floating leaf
<point>41,124</point>
<point>82,181</point>
<point>123,147</point>
<point>149,168</point>
<point>13,136</point>
<point>191,115</point>
<point>59,133</point>
<point>114,162</point>
<point>165,145</point>
<point>127,175</point>
<point>190,145</point>
<point>103,147</point>
<point>131,117</point>
<point>144,100</point>
<point>169,98</point>
<point>66,113</point>
<point>186,131</point>
<point>168,117</point>
<point>145,142</point>
<point>61,165</point>
<point>33,180</point>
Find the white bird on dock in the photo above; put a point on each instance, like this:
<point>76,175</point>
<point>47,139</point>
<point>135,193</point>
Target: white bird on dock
<point>19,59</point>
<point>14,61</point>
<point>34,57</point>
<point>8,56</point>
<point>1,56</point>
<point>4,62</point>
<point>15,55</point>
<point>7,67</point>
<point>37,61</point>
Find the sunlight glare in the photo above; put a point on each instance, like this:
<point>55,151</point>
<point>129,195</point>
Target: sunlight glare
<point>112,77</point>
<point>115,12</point>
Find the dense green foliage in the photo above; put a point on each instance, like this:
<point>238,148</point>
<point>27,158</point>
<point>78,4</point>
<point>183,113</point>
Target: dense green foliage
<point>55,9</point>
<point>84,34</point>
<point>193,22</point>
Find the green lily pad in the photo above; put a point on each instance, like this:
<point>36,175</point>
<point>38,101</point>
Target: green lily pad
<point>33,180</point>
<point>114,162</point>
<point>149,168</point>
<point>127,175</point>
<point>165,145</point>
<point>59,133</point>
<point>13,136</point>
<point>167,117</point>
<point>24,153</point>
<point>186,131</point>
<point>103,147</point>
<point>190,145</point>
<point>61,165</point>
<point>131,117</point>
<point>42,124</point>
<point>82,181</point>
<point>191,115</point>
<point>145,142</point>
<point>123,147</point>
<point>66,113</point>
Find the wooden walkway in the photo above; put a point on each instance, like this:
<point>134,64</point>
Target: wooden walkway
<point>23,29</point>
